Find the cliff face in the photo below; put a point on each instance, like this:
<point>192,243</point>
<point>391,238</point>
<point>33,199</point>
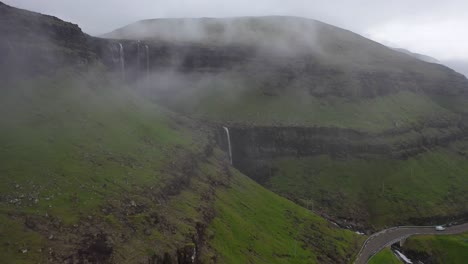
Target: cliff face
<point>277,74</point>
<point>254,148</point>
<point>299,54</point>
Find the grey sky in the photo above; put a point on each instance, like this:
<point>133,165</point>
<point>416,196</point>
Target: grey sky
<point>432,27</point>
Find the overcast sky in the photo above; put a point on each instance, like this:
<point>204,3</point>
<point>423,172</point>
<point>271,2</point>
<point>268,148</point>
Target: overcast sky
<point>432,27</point>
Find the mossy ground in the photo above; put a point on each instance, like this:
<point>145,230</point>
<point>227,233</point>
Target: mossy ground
<point>254,225</point>
<point>385,256</point>
<point>234,103</point>
<point>378,192</point>
<point>447,249</point>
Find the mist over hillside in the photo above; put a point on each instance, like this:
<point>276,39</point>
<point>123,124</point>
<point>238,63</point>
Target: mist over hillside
<point>418,56</point>
<point>460,66</point>
<point>94,171</point>
<point>219,140</point>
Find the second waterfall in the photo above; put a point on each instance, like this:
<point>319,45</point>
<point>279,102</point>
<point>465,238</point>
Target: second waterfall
<point>229,143</point>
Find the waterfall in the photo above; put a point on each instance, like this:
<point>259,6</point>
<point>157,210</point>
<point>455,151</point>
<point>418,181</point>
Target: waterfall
<point>138,57</point>
<point>403,257</point>
<point>147,60</point>
<point>229,143</point>
<point>122,60</point>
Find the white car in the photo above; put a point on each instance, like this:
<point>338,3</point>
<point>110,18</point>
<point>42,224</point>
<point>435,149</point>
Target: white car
<point>439,228</point>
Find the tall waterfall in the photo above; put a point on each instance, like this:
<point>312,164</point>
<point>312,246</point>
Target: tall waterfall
<point>122,60</point>
<point>229,143</point>
<point>147,60</point>
<point>138,57</point>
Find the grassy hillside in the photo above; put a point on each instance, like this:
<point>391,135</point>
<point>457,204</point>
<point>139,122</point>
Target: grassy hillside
<point>378,192</point>
<point>88,157</point>
<point>254,225</point>
<point>438,249</point>
<point>90,170</point>
<point>385,256</point>
<point>234,103</point>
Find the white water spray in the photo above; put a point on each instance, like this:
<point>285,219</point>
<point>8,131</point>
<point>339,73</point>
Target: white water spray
<point>229,143</point>
<point>403,257</point>
<point>122,60</point>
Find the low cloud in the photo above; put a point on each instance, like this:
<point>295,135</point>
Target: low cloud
<point>444,39</point>
<point>434,28</point>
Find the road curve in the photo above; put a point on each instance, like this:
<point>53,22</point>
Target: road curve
<point>384,238</point>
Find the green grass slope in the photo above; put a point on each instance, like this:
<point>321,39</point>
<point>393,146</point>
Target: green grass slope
<point>378,192</point>
<point>254,225</point>
<point>92,171</point>
<point>80,158</point>
<point>451,249</point>
<point>396,111</point>
<point>385,256</point>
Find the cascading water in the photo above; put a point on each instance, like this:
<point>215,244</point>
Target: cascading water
<point>403,257</point>
<point>229,143</point>
<point>122,60</point>
<point>147,60</point>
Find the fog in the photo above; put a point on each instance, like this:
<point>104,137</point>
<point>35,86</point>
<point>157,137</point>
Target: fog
<point>434,28</point>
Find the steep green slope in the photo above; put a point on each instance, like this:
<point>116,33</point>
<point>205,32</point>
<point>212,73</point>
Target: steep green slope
<point>89,168</point>
<point>378,192</point>
<point>384,257</point>
<point>254,225</point>
<point>450,249</point>
<point>250,106</point>
<point>92,171</point>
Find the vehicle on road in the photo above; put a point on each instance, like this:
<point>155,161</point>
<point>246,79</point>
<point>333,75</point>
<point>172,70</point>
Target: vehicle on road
<point>439,228</point>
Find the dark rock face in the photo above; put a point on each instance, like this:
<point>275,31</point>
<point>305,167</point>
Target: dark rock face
<point>276,74</point>
<point>32,44</point>
<point>422,257</point>
<point>253,148</point>
<point>97,250</point>
<point>290,53</point>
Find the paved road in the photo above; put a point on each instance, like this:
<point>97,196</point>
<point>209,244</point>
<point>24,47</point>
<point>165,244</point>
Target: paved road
<point>380,240</point>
